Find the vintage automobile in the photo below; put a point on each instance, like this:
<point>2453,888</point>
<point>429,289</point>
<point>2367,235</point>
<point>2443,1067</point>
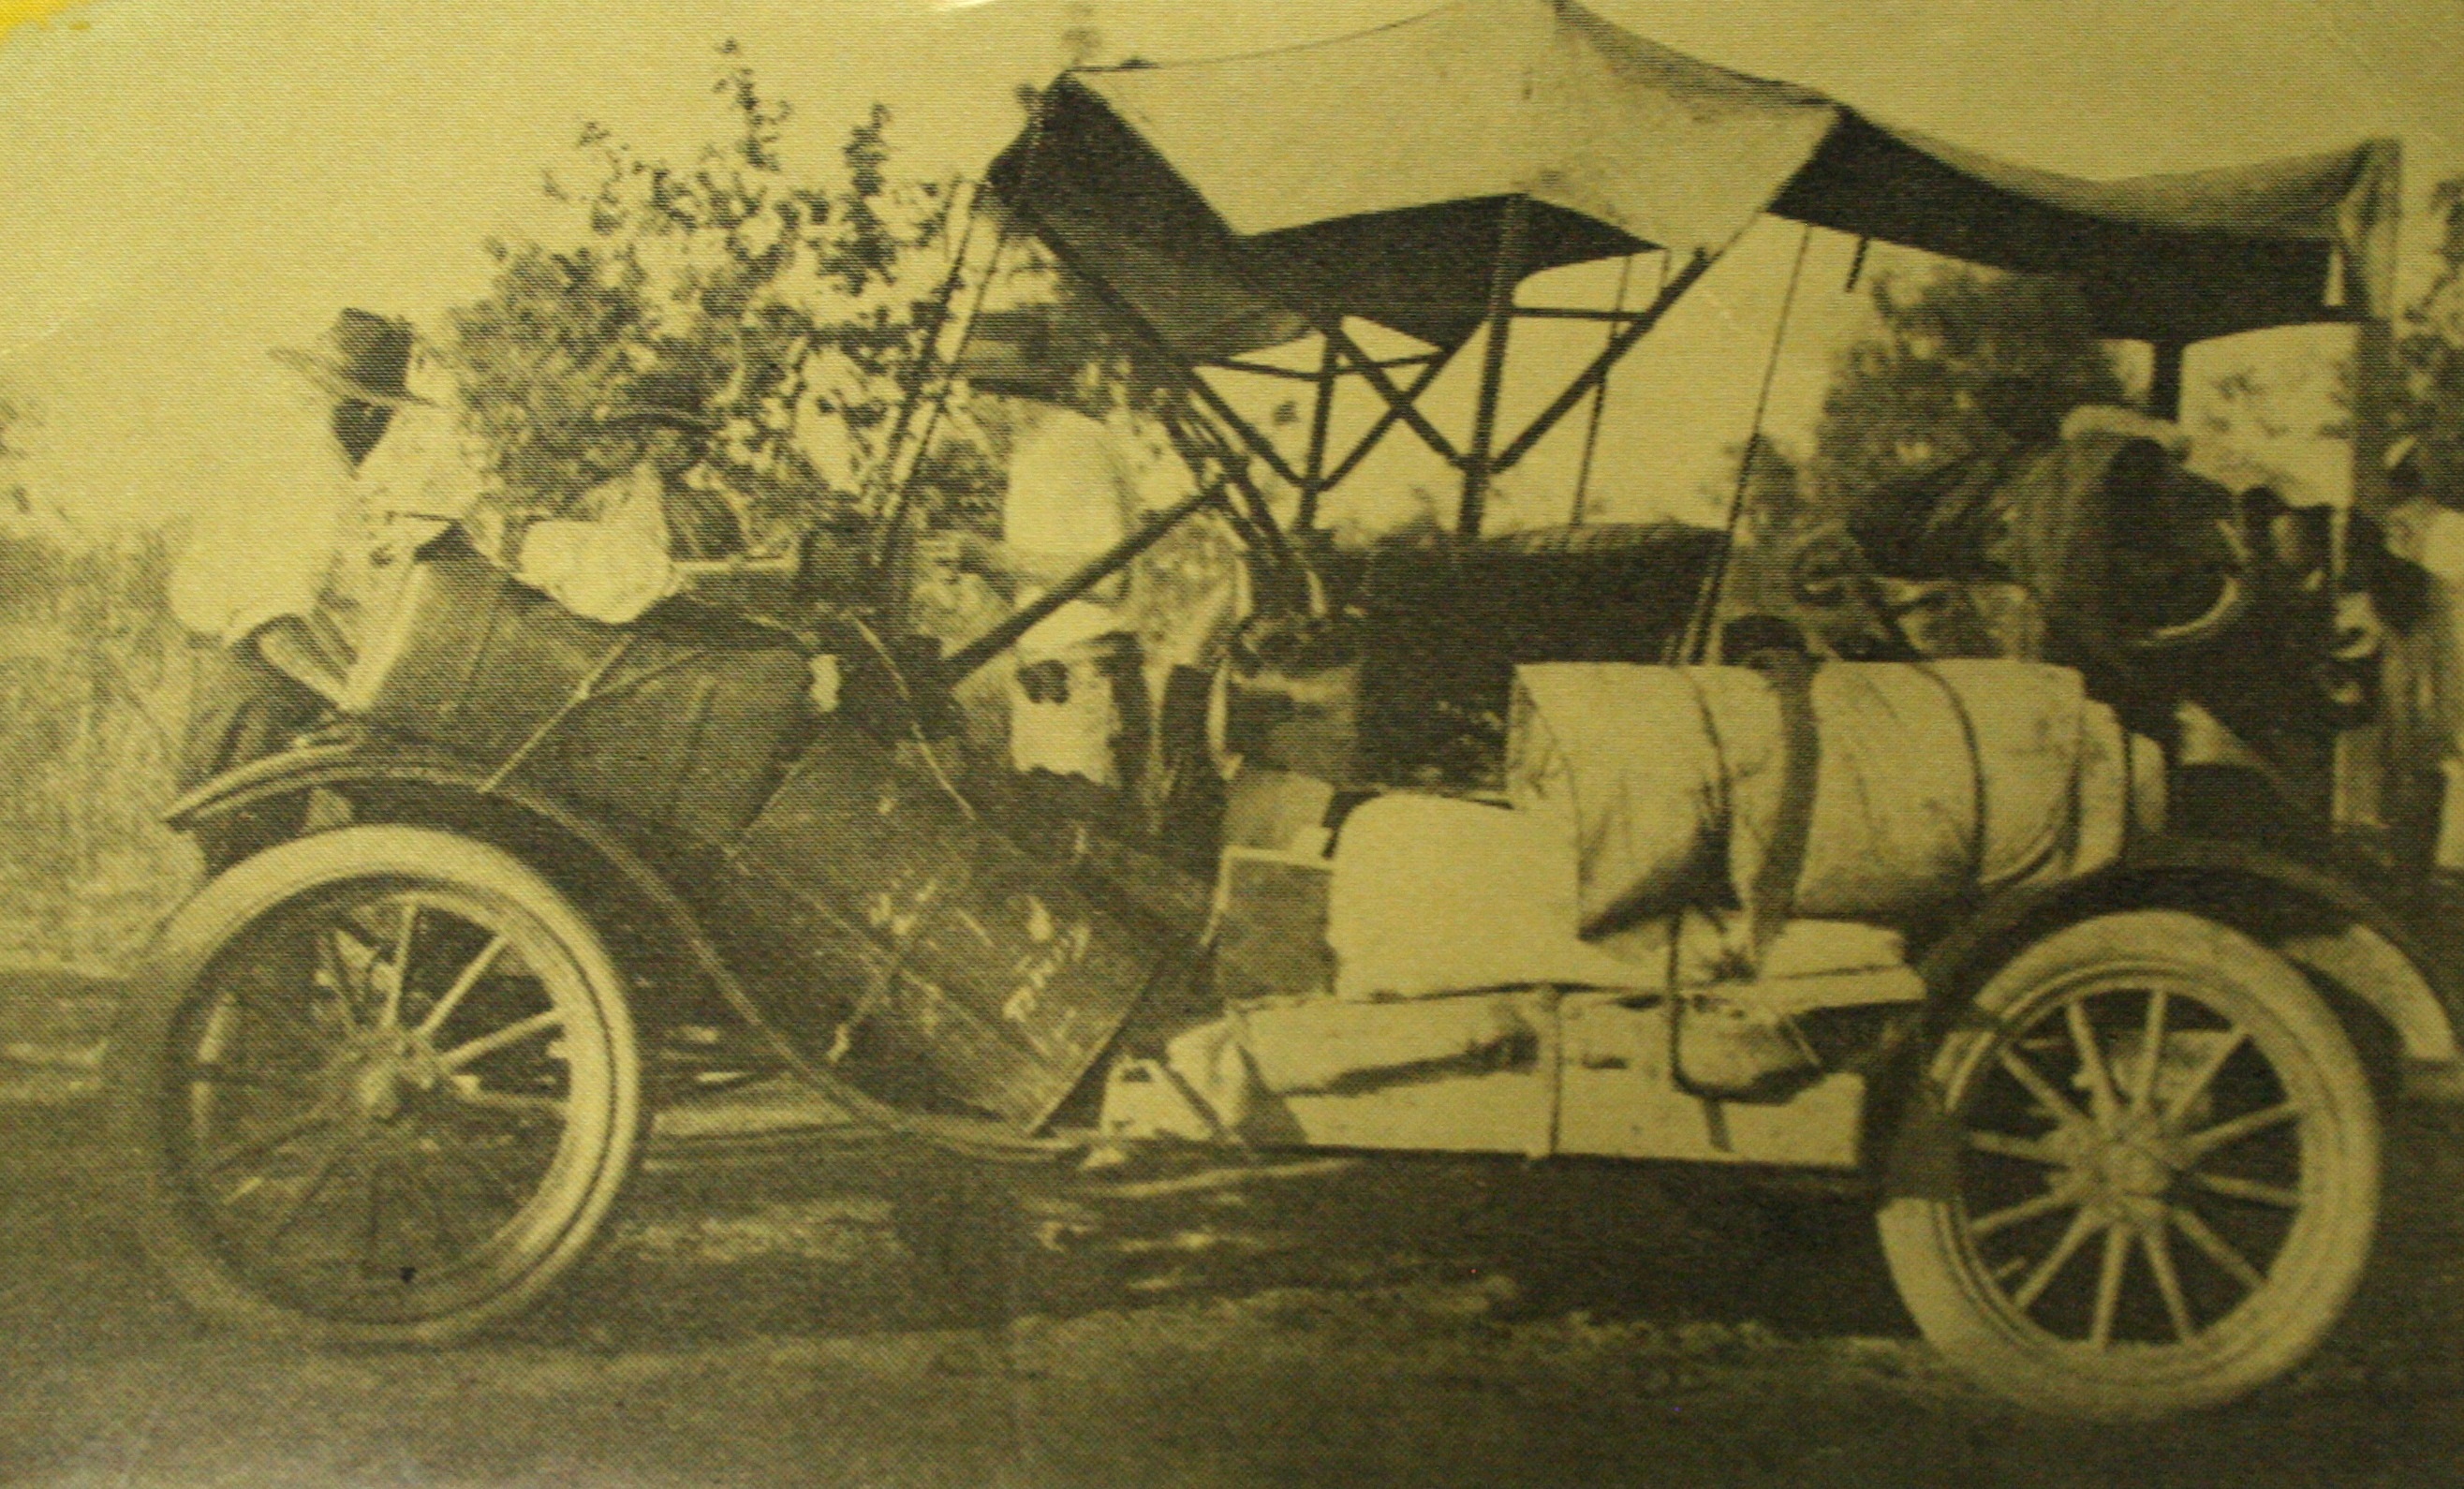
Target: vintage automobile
<point>1506,864</point>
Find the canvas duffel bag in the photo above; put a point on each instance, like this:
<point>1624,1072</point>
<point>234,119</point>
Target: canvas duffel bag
<point>1932,781</point>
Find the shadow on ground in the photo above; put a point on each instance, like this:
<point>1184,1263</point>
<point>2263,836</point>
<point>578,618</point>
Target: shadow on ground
<point>826,1238</point>
<point>791,1315</point>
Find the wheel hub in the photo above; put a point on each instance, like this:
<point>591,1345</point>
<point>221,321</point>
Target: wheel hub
<point>2132,1170</point>
<point>385,1068</point>
<point>2125,1175</point>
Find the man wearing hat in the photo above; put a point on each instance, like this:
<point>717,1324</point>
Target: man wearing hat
<point>353,459</point>
<point>361,461</point>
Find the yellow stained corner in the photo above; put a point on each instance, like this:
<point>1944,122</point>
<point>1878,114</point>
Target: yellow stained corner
<point>15,13</point>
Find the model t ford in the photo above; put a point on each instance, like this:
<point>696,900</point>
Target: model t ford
<point>2061,944</point>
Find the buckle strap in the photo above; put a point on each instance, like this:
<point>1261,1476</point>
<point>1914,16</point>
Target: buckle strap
<point>1772,898</point>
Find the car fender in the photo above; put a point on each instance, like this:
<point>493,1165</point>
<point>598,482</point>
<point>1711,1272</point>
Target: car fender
<point>412,783</point>
<point>2321,921</point>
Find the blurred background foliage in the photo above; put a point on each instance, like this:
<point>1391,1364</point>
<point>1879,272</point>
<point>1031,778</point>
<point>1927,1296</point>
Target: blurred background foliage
<point>1914,392</point>
<point>796,311</point>
<point>93,678</point>
<point>2430,353</point>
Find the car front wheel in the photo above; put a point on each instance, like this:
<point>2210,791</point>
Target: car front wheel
<point>2142,1176</point>
<point>379,1086</point>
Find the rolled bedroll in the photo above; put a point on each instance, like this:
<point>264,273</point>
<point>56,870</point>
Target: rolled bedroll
<point>1933,782</point>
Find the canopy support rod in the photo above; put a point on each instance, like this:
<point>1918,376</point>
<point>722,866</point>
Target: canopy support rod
<point>1242,528</point>
<point>1407,397</point>
<point>1182,375</point>
<point>1401,404</point>
<point>1600,403</point>
<point>1202,444</point>
<point>960,664</point>
<point>1187,383</point>
<point>1572,312</point>
<point>1608,359</point>
<point>1261,370</point>
<point>1504,275</point>
<point>1250,435</point>
<point>1329,368</point>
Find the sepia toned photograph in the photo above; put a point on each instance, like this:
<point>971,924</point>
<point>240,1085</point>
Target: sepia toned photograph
<point>1076,743</point>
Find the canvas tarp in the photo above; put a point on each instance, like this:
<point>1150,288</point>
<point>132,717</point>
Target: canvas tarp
<point>1233,202</point>
<point>1933,782</point>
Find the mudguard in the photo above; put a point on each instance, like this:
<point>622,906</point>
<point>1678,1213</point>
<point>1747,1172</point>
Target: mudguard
<point>2327,923</point>
<point>408,783</point>
<point>460,794</point>
<point>387,768</point>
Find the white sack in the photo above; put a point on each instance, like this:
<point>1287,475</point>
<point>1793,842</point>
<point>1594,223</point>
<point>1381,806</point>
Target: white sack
<point>1436,895</point>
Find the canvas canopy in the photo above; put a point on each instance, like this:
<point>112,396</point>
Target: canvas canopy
<point>1235,204</point>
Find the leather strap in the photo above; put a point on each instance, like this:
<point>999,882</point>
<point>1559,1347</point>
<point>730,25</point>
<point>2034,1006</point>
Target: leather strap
<point>1772,898</point>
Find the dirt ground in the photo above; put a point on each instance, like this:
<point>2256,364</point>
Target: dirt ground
<point>764,1316</point>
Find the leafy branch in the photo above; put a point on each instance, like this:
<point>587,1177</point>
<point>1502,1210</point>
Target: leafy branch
<point>795,311</point>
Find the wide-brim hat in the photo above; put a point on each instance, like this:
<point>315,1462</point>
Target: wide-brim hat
<point>631,415</point>
<point>363,357</point>
<point>677,397</point>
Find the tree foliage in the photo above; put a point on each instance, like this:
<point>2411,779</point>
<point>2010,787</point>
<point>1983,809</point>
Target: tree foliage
<point>2430,351</point>
<point>795,309</point>
<point>1917,390</point>
<point>92,674</point>
<point>14,416</point>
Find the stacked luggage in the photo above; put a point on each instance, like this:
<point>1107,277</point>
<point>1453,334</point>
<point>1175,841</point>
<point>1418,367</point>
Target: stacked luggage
<point>1758,844</point>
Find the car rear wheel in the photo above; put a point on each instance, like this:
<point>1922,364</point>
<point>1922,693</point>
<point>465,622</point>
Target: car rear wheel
<point>379,1086</point>
<point>2142,1179</point>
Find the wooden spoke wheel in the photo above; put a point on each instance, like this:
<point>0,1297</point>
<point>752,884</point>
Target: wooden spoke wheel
<point>381,1086</point>
<point>2152,1179</point>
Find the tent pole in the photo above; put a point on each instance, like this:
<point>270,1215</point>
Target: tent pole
<point>1503,276</point>
<point>1320,417</point>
